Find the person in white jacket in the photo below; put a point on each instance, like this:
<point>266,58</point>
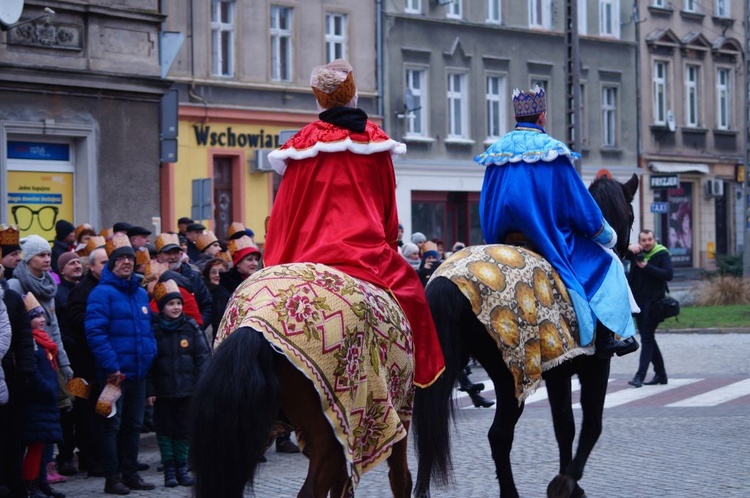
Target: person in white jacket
<point>4,345</point>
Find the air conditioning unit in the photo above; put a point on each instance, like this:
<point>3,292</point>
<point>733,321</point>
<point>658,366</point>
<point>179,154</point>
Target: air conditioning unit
<point>260,163</point>
<point>715,188</point>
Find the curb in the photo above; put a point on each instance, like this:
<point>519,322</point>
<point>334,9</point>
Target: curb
<point>728,330</point>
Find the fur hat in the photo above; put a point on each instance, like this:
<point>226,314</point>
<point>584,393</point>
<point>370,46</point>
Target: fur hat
<point>333,85</point>
<point>66,258</point>
<point>63,228</point>
<point>34,245</point>
<point>165,292</point>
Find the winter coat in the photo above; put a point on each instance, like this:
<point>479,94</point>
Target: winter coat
<point>19,363</point>
<point>202,296</point>
<point>5,338</point>
<point>42,420</point>
<point>58,249</point>
<point>61,310</point>
<point>80,355</point>
<point>181,358</point>
<point>118,327</point>
<point>650,282</point>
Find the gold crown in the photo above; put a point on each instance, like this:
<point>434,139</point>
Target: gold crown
<point>224,256</point>
<point>235,227</point>
<point>163,288</point>
<point>117,241</point>
<point>9,236</point>
<point>31,302</point>
<point>155,269</point>
<point>107,233</point>
<point>142,257</point>
<point>205,239</point>
<point>241,243</point>
<point>84,228</point>
<point>94,242</point>
<point>165,239</point>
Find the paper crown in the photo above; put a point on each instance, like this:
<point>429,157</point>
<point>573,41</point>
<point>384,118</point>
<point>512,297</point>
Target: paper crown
<point>117,241</point>
<point>166,239</point>
<point>154,269</point>
<point>529,103</point>
<point>224,256</point>
<point>142,256</point>
<point>9,236</point>
<point>107,233</point>
<point>31,303</point>
<point>165,288</point>
<point>82,229</point>
<point>333,84</point>
<point>244,242</point>
<point>94,242</point>
<point>235,227</point>
<point>205,239</point>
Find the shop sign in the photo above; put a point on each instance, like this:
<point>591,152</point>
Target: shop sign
<point>37,199</point>
<point>660,207</point>
<point>226,137</point>
<point>40,151</point>
<point>665,181</point>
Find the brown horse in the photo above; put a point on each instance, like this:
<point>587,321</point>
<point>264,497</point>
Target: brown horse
<point>326,353</point>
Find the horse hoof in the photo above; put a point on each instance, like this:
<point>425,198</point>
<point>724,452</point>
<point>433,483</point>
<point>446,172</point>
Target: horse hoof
<point>561,486</point>
<point>578,492</point>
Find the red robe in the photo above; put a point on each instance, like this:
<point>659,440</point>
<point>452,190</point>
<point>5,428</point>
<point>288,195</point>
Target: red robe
<point>337,206</point>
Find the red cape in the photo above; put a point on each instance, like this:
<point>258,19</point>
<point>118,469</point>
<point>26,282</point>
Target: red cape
<point>337,206</point>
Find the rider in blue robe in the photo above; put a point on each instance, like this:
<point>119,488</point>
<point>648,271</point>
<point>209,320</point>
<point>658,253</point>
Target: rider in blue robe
<point>532,188</point>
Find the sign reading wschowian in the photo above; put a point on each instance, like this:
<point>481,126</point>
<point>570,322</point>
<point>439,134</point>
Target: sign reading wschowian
<point>227,138</point>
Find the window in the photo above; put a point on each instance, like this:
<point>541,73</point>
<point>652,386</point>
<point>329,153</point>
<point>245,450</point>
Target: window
<point>281,43</point>
<point>723,99</point>
<point>660,3</point>
<point>582,17</point>
<point>335,36</point>
<point>609,18</point>
<point>722,8</point>
<point>453,10</point>
<point>660,93</point>
<point>690,5</point>
<point>609,116</point>
<point>222,37</point>
<point>457,106</point>
<point>692,95</point>
<point>413,7</point>
<point>493,11</point>
<point>496,106</point>
<point>416,102</point>
<point>540,14</point>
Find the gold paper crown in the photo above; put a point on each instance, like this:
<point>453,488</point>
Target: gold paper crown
<point>243,242</point>
<point>165,239</point>
<point>117,241</point>
<point>529,103</point>
<point>338,96</point>
<point>142,257</point>
<point>31,302</point>
<point>154,269</point>
<point>9,236</point>
<point>107,233</point>
<point>163,288</point>
<point>94,242</point>
<point>84,228</point>
<point>235,227</point>
<point>205,239</point>
<point>224,256</point>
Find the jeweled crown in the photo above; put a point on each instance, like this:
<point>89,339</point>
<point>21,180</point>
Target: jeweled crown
<point>530,102</point>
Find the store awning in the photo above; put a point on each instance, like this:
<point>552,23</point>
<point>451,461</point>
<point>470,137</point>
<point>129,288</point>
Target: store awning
<point>662,167</point>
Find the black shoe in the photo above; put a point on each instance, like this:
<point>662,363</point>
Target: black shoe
<point>480,401</point>
<point>474,388</point>
<point>183,476</point>
<point>607,345</point>
<point>170,475</point>
<point>114,486</point>
<point>135,482</point>
<point>45,488</point>
<point>637,381</point>
<point>141,466</point>
<point>658,379</point>
<point>286,446</point>
<point>631,346</point>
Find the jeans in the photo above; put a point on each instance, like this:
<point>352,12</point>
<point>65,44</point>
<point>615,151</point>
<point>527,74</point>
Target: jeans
<point>650,352</point>
<point>121,434</point>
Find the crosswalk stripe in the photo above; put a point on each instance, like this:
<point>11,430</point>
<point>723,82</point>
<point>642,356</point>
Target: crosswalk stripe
<point>715,396</point>
<point>629,395</point>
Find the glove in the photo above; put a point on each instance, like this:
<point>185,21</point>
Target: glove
<point>67,372</point>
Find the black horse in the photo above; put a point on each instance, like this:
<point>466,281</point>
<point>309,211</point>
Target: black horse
<point>462,334</point>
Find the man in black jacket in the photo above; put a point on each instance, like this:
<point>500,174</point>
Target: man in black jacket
<point>650,270</point>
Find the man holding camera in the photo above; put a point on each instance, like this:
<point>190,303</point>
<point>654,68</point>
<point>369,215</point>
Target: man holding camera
<point>650,270</point>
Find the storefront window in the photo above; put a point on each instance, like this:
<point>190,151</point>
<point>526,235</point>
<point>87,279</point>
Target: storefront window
<point>677,225</point>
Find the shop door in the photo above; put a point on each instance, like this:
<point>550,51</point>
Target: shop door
<point>222,196</point>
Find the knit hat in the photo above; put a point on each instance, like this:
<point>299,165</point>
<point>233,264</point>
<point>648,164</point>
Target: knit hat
<point>418,237</point>
<point>66,258</point>
<point>63,228</point>
<point>118,245</point>
<point>409,249</point>
<point>34,245</point>
<point>9,239</point>
<point>430,249</point>
<point>33,308</point>
<point>242,247</point>
<point>165,292</point>
<point>333,85</point>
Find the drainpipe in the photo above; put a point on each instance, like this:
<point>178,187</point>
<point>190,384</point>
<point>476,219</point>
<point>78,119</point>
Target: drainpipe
<point>638,92</point>
<point>379,55</point>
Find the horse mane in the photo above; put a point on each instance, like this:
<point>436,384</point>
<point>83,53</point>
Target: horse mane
<point>610,197</point>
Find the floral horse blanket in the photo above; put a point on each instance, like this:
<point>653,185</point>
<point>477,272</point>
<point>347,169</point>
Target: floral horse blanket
<point>523,304</point>
<point>348,337</point>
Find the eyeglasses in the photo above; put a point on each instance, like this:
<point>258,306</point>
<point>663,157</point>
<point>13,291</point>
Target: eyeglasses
<point>124,257</point>
<point>24,216</point>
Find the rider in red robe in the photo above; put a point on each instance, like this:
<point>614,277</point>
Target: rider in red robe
<point>337,206</point>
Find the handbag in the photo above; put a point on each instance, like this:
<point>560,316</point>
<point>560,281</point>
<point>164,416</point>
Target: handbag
<point>664,308</point>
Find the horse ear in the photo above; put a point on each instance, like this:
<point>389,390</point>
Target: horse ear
<point>631,186</point>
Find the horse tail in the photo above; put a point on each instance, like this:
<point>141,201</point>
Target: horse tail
<point>433,406</point>
<point>234,406</point>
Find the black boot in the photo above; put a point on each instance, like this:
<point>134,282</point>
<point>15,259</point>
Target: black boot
<point>479,401</point>
<point>658,379</point>
<point>33,489</point>
<point>607,345</point>
<point>637,381</point>
<point>45,488</point>
<point>170,475</point>
<point>113,485</point>
<point>183,476</point>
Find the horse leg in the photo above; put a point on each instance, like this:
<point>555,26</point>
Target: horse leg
<point>398,473</point>
<point>557,381</point>
<point>326,471</point>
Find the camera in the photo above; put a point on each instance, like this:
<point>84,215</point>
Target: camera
<point>640,256</point>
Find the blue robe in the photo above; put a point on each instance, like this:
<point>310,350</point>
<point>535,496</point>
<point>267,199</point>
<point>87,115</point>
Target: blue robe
<point>531,186</point>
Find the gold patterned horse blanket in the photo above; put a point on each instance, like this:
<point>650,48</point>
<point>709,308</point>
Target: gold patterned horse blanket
<point>523,304</point>
<point>348,337</point>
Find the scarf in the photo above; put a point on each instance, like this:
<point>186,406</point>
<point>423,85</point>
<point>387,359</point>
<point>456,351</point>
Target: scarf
<point>49,346</point>
<point>44,287</point>
<point>169,325</point>
<point>654,250</point>
<point>349,118</point>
